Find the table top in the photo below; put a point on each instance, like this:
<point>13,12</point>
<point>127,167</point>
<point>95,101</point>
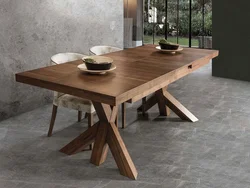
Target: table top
<point>140,71</point>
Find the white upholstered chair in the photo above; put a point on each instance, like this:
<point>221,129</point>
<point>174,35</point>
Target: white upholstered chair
<point>100,50</point>
<point>69,101</point>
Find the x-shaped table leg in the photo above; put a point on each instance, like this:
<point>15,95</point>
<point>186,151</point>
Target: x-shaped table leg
<point>105,134</point>
<point>166,102</point>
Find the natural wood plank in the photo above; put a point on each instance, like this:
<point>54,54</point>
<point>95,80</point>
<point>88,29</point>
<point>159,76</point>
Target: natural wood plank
<point>178,108</point>
<point>90,119</point>
<point>147,103</point>
<point>82,141</point>
<point>166,102</point>
<point>107,133</point>
<point>105,115</point>
<point>116,118</point>
<point>100,150</point>
<point>123,115</point>
<point>90,123</point>
<point>169,78</point>
<point>113,117</point>
<point>103,111</point>
<point>52,121</point>
<point>120,153</point>
<point>140,71</point>
<point>143,106</point>
<point>79,116</point>
<point>161,100</point>
<point>156,98</point>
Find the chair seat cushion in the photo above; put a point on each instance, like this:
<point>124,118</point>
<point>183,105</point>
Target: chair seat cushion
<point>73,102</point>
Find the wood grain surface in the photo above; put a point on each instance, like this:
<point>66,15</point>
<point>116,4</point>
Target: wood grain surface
<point>140,71</point>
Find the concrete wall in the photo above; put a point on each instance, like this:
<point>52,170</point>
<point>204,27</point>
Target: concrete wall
<point>33,30</point>
<point>134,9</point>
<point>231,35</point>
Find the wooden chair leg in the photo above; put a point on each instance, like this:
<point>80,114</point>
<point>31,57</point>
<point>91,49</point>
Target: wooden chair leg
<point>79,116</point>
<point>144,101</point>
<point>123,115</point>
<point>116,121</point>
<point>90,124</point>
<point>52,121</point>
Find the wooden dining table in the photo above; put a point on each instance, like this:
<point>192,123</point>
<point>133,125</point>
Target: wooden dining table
<point>140,71</point>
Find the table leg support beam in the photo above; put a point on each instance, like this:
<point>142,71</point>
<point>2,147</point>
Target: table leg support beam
<point>166,102</point>
<point>82,141</point>
<point>178,108</point>
<point>163,109</point>
<point>120,153</point>
<point>100,150</point>
<point>106,135</point>
<point>147,104</point>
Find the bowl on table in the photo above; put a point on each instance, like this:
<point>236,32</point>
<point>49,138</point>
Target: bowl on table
<point>98,62</point>
<point>165,45</point>
<point>99,66</point>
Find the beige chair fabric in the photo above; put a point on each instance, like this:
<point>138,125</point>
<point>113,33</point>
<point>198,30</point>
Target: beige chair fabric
<point>100,50</point>
<point>65,100</point>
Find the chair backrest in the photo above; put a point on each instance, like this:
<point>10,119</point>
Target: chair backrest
<point>100,50</point>
<point>65,57</point>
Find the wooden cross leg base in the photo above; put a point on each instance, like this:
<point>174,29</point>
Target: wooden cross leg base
<point>166,102</point>
<point>105,135</point>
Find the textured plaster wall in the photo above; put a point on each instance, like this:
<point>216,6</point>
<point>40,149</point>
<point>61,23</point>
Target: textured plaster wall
<point>31,31</point>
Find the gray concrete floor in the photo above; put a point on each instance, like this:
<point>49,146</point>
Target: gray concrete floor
<point>168,152</point>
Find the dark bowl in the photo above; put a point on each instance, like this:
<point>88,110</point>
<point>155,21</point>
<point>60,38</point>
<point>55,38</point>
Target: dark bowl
<point>169,46</point>
<point>99,66</point>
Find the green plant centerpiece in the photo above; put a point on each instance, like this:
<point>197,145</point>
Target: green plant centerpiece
<point>165,45</point>
<point>89,60</point>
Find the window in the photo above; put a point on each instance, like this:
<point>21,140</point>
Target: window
<point>186,22</point>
